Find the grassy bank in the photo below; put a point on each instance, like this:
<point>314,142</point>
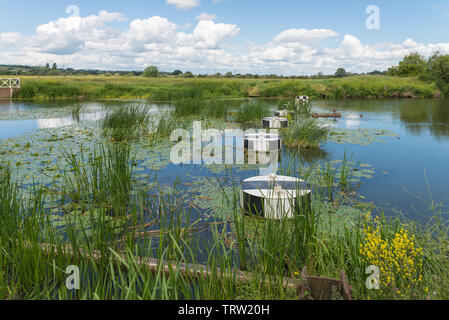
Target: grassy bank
<point>168,89</point>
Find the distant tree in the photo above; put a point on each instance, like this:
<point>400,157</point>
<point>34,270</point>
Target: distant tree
<point>53,73</point>
<point>188,74</point>
<point>151,71</point>
<point>47,66</point>
<point>228,74</point>
<point>392,71</point>
<point>376,72</point>
<point>176,72</point>
<point>340,73</point>
<point>54,67</point>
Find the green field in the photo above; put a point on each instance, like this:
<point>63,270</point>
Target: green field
<point>171,88</point>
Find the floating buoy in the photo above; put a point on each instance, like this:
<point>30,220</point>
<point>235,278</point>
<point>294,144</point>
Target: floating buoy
<point>274,197</point>
<point>301,99</point>
<point>284,113</point>
<point>274,122</point>
<point>262,141</point>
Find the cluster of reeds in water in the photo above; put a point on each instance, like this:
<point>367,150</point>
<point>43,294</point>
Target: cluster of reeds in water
<point>98,221</point>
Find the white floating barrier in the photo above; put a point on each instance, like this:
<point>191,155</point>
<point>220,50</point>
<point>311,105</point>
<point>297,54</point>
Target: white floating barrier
<point>284,113</point>
<point>262,141</point>
<point>273,196</point>
<point>274,122</point>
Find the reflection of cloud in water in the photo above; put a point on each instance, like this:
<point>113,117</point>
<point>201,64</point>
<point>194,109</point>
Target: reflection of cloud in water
<point>353,121</point>
<point>67,121</point>
<point>54,122</point>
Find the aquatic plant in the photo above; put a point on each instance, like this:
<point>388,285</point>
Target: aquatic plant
<point>101,178</point>
<point>304,134</point>
<point>126,122</point>
<point>252,111</point>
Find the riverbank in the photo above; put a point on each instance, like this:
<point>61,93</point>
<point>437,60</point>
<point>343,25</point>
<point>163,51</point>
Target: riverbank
<point>166,89</point>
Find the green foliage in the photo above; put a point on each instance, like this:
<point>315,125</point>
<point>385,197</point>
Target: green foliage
<point>340,73</point>
<point>176,88</point>
<point>438,71</point>
<point>412,65</point>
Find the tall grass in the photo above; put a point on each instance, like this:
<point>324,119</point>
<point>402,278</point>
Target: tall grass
<point>102,178</point>
<point>172,89</point>
<point>126,122</point>
<point>252,111</point>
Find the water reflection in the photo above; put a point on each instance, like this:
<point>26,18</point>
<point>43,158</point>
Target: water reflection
<point>417,116</point>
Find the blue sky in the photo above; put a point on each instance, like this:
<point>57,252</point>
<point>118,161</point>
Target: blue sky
<point>236,35</point>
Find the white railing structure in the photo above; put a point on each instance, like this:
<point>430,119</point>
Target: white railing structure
<point>10,83</point>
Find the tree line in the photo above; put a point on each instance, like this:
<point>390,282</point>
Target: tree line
<point>435,69</point>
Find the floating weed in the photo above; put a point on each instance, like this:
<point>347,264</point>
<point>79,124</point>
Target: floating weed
<point>362,137</point>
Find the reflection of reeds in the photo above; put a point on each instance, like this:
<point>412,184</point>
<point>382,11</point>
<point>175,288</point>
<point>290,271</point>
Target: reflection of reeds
<point>76,112</point>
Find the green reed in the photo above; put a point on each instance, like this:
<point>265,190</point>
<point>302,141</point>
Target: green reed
<point>126,122</point>
<point>304,134</point>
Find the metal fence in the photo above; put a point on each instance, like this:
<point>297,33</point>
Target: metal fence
<point>10,83</point>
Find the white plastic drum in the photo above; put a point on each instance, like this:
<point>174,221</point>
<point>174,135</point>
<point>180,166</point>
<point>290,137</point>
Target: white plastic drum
<point>274,122</point>
<point>262,142</point>
<point>275,197</point>
<point>284,113</point>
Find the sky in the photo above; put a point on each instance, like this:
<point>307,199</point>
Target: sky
<point>289,37</point>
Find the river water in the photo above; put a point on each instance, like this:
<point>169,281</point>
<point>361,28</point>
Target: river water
<point>405,164</point>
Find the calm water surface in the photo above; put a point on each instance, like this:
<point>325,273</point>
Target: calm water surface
<point>401,163</point>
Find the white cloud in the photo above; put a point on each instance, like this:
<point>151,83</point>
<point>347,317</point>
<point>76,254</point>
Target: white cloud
<point>304,35</point>
<point>209,34</point>
<point>154,29</point>
<point>184,4</point>
<point>206,16</point>
<point>67,35</point>
<point>11,39</point>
